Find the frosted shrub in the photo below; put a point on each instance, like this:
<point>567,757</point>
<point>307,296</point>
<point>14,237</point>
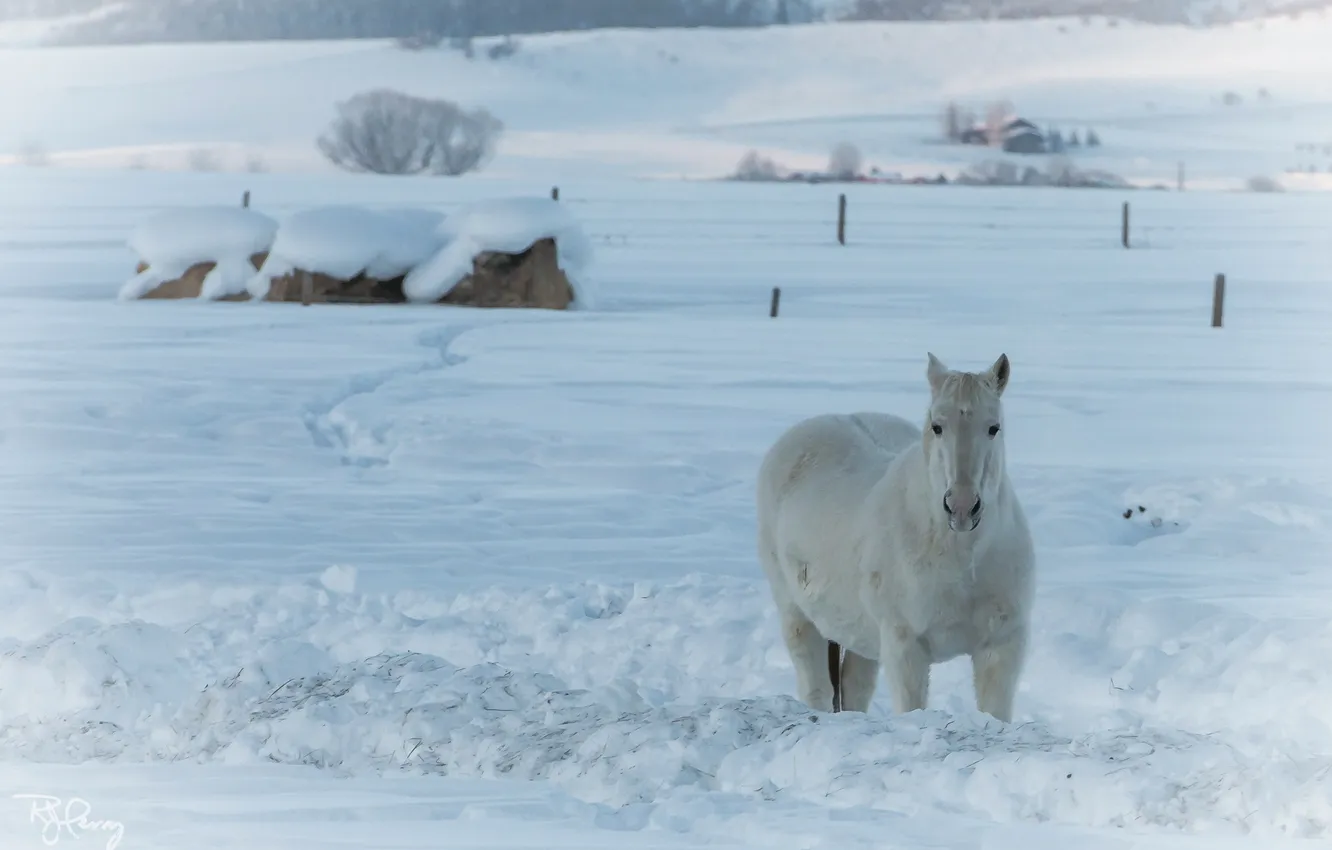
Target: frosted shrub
<point>1263,184</point>
<point>755,166</point>
<point>388,132</point>
<point>845,161</point>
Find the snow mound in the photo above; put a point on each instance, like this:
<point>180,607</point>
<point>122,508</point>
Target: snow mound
<point>1156,716</point>
<point>174,240</point>
<point>345,241</point>
<point>508,225</point>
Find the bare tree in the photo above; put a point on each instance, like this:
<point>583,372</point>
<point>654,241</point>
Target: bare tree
<point>996,121</point>
<point>388,132</point>
<point>462,141</point>
<point>952,122</point>
<point>845,161</point>
<point>757,167</point>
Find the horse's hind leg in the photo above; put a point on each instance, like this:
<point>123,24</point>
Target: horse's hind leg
<point>809,655</point>
<point>859,676</point>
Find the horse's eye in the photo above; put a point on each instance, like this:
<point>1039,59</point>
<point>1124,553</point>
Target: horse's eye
<point>937,428</point>
<point>994,430</point>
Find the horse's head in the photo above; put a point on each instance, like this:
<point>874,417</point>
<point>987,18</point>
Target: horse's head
<point>964,440</point>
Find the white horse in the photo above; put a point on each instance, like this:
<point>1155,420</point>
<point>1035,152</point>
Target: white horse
<point>907,548</point>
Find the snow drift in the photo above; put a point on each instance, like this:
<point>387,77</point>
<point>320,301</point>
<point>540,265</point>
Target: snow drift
<point>508,225</point>
<point>345,241</point>
<point>433,252</point>
<point>174,240</point>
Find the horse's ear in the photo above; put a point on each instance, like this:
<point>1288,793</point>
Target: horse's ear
<point>936,372</point>
<point>999,373</point>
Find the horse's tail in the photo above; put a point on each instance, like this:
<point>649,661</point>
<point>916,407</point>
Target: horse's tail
<point>835,672</point>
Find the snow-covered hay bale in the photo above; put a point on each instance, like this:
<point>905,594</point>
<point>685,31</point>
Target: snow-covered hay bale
<point>198,252</point>
<point>347,254</point>
<point>514,252</point>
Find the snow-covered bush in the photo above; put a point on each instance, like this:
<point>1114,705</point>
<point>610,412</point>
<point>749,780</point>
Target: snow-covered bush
<point>388,132</point>
<point>757,167</point>
<point>845,161</point>
<point>1263,184</point>
<point>424,40</point>
<point>1060,172</point>
<point>203,159</point>
<point>504,48</point>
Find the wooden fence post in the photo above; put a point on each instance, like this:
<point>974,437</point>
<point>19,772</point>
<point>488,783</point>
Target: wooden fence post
<point>1125,235</point>
<point>841,219</point>
<point>776,299</point>
<point>1181,177</point>
<point>555,193</point>
<point>307,288</point>
<point>1218,300</point>
<point>245,199</point>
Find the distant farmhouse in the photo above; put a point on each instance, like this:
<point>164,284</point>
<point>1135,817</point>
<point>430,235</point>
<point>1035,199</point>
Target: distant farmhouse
<point>1020,136</point>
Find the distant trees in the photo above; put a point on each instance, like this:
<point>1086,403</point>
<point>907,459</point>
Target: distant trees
<point>955,121</point>
<point>417,23</point>
<point>388,132</point>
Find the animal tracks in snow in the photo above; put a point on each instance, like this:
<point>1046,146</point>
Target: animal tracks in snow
<point>332,428</point>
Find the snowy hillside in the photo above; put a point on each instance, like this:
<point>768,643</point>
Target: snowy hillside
<point>675,103</point>
<point>147,21</point>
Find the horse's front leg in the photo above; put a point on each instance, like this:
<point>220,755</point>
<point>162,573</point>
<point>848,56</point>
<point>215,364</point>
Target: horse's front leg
<point>996,667</point>
<point>906,665</point>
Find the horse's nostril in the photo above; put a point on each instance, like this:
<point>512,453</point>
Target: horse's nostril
<point>947,508</point>
<point>976,508</point>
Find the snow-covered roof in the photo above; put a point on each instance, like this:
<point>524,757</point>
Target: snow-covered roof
<point>508,225</point>
<point>345,241</point>
<point>172,241</point>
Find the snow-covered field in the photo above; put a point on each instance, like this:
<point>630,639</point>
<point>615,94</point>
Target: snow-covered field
<point>337,577</point>
<point>690,103</point>
<point>400,577</point>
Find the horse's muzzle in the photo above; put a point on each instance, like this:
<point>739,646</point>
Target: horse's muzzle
<point>962,523</point>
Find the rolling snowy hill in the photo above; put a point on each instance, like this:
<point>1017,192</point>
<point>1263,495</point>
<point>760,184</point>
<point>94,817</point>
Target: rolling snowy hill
<point>672,103</point>
<point>141,21</point>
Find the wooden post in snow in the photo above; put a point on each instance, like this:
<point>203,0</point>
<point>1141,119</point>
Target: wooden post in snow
<point>1124,236</point>
<point>245,199</point>
<point>1181,177</point>
<point>1218,300</point>
<point>307,288</point>
<point>776,300</point>
<point>554,193</point>
<point>841,219</point>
